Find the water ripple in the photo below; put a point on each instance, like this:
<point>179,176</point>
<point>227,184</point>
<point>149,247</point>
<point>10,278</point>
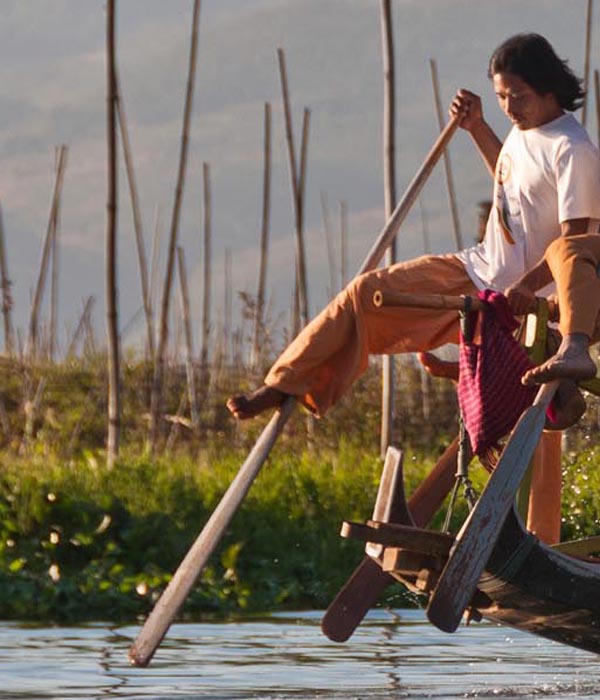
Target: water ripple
<point>286,657</point>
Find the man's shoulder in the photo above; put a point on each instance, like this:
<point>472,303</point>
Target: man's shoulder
<point>568,130</point>
<point>564,136</point>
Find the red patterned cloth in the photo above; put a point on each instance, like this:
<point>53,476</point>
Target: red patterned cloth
<point>490,394</point>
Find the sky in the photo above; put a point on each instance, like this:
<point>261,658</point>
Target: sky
<point>53,91</point>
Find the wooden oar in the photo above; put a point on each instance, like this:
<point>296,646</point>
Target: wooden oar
<point>169,603</point>
<point>477,537</point>
<point>195,560</point>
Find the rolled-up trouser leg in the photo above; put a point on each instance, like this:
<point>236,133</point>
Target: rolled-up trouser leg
<point>573,261</point>
<point>333,349</point>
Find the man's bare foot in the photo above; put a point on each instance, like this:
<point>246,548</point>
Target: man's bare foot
<point>571,361</point>
<point>438,368</point>
<point>568,405</point>
<point>244,406</point>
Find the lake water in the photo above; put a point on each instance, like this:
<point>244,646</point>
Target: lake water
<point>283,657</point>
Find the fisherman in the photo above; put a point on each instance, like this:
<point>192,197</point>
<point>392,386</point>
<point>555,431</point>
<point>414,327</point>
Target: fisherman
<point>546,185</point>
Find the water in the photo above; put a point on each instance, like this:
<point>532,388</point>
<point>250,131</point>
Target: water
<point>286,657</point>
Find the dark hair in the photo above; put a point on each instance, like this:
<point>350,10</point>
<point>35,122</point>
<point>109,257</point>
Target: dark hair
<point>533,59</point>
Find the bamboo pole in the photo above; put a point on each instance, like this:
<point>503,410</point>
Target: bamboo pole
<point>296,188</point>
<point>83,319</point>
<point>189,344</point>
<point>41,280</point>
<point>112,308</point>
<point>586,62</point>
<point>53,345</point>
<point>264,243</point>
<point>173,597</point>
<point>137,219</point>
<point>597,101</point>
<point>206,322</point>
<point>154,257</point>
<point>458,242</point>
<point>343,244</point>
<point>227,306</point>
<point>424,227</point>
<point>7,300</point>
<point>389,179</point>
<point>333,288</point>
<point>159,364</point>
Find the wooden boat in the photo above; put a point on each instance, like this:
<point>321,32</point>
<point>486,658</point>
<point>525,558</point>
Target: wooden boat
<point>551,591</point>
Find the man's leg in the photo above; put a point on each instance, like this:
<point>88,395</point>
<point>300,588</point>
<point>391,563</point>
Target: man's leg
<point>574,262</point>
<point>333,350</point>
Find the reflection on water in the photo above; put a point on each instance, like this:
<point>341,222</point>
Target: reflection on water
<point>392,655</point>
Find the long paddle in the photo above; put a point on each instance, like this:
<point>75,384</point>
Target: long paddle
<point>174,595</point>
<point>477,537</point>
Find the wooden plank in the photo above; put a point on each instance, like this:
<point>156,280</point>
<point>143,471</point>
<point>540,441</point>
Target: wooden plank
<point>479,534</point>
<point>392,535</point>
<point>579,548</point>
<point>390,504</point>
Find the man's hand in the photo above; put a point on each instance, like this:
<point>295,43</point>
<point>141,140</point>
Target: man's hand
<point>466,106</point>
<point>520,298</point>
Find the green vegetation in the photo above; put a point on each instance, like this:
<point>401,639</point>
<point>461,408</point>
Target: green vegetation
<point>81,542</point>
<point>78,541</point>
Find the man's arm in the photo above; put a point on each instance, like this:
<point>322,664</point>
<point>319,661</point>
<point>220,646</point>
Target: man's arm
<point>521,294</point>
<point>467,107</point>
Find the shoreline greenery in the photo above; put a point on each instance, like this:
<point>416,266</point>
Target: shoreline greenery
<point>80,542</point>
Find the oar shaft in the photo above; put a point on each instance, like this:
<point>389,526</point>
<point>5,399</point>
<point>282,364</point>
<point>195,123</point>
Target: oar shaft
<point>195,560</point>
<point>174,595</point>
<point>387,234</point>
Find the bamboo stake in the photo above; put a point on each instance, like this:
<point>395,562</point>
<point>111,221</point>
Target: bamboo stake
<point>344,243</point>
<point>112,308</point>
<point>597,100</point>
<point>207,274</point>
<point>85,314</point>
<point>159,364</point>
<point>302,278</point>
<point>7,300</point>
<point>189,345</point>
<point>154,257</point>
<point>55,277</point>
<point>447,165</point>
<point>333,289</point>
<point>173,597</point>
<point>264,242</point>
<point>31,410</point>
<point>389,177</point>
<point>424,227</point>
<point>296,188</point>
<point>227,313</point>
<point>41,281</point>
<point>137,218</point>
<point>586,68</point>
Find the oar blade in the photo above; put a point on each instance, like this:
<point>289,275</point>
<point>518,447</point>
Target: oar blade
<point>476,539</point>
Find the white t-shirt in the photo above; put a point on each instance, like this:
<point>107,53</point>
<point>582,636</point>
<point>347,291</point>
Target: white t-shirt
<point>544,176</point>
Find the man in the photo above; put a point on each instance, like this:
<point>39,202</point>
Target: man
<point>546,185</point>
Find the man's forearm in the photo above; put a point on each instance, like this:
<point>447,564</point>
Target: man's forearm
<point>488,145</point>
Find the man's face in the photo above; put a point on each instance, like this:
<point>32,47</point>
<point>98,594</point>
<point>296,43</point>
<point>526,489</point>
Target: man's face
<point>521,103</point>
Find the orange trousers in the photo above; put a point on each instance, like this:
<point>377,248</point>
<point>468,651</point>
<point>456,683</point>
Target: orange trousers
<point>333,349</point>
<point>574,261</point>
